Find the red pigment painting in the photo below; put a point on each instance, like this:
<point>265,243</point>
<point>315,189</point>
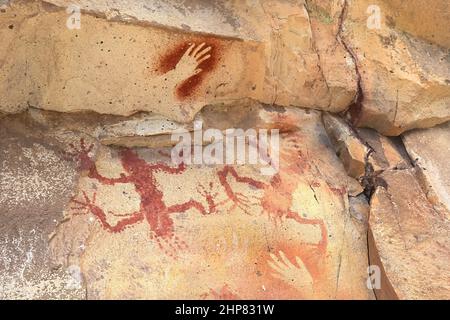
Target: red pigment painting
<point>224,293</point>
<point>206,52</point>
<point>273,190</point>
<point>157,214</point>
<point>152,207</point>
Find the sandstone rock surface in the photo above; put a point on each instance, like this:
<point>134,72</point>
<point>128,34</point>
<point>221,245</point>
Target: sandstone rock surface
<point>118,68</point>
<point>155,131</point>
<point>349,147</point>
<point>424,19</point>
<point>134,162</point>
<point>408,240</point>
<point>204,231</point>
<point>386,153</point>
<point>123,60</point>
<point>430,151</point>
<point>404,80</point>
<point>36,182</point>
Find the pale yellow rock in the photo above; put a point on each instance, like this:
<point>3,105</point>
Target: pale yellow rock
<point>145,130</point>
<point>217,231</point>
<point>123,59</point>
<point>156,131</point>
<point>405,81</point>
<point>386,153</point>
<point>349,147</point>
<point>408,240</point>
<point>430,151</point>
<point>336,63</point>
<point>425,19</point>
<point>303,67</point>
<point>119,68</point>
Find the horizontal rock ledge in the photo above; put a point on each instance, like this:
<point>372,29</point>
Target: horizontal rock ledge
<point>118,67</point>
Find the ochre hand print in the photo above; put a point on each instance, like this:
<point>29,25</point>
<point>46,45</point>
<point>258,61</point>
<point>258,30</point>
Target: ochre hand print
<point>189,63</point>
<point>184,67</point>
<point>293,273</point>
<point>208,217</point>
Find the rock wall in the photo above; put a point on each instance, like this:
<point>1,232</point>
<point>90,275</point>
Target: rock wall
<point>355,92</point>
<point>404,79</point>
<point>137,64</point>
<point>408,226</point>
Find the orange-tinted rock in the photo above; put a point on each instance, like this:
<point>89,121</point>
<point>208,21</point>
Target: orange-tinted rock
<point>336,63</point>
<point>387,153</point>
<point>433,18</point>
<point>122,61</point>
<point>430,151</point>
<point>350,149</point>
<point>408,240</point>
<point>404,80</point>
<point>211,227</point>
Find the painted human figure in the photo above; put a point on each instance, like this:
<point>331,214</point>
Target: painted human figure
<point>141,174</point>
<point>276,202</point>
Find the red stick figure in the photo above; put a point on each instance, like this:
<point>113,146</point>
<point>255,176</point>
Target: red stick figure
<point>273,190</point>
<point>152,207</point>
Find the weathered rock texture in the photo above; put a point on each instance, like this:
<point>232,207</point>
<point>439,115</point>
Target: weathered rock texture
<point>408,220</point>
<point>430,151</point>
<point>268,53</point>
<point>404,80</point>
<point>386,153</point>
<point>92,205</point>
<point>349,147</point>
<point>36,182</point>
<point>140,227</point>
<point>130,67</point>
<point>423,19</point>
<point>409,240</point>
